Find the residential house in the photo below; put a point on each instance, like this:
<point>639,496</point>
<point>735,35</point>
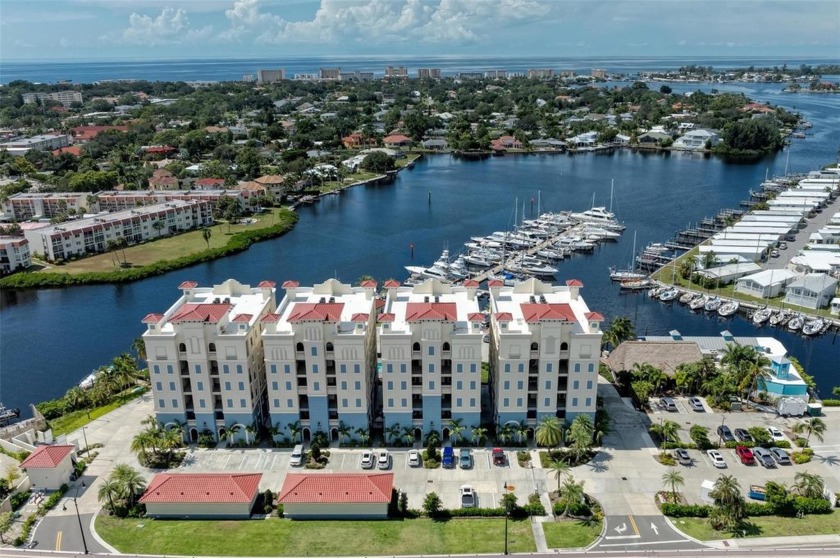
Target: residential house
<point>397,141</point>
<point>162,179</point>
<point>697,139</point>
<point>813,290</point>
<point>274,184</point>
<point>765,284</point>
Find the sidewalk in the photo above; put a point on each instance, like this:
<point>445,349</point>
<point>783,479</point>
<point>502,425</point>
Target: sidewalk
<point>778,542</point>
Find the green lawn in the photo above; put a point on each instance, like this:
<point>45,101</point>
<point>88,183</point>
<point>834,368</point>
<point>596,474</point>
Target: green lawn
<point>77,419</point>
<point>168,247</point>
<point>768,526</point>
<point>282,537</point>
<point>571,533</point>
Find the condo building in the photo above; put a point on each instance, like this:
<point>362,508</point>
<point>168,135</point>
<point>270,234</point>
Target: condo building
<point>544,349</point>
<point>14,254</point>
<point>428,73</point>
<point>270,76</point>
<point>320,358</point>
<point>430,341</point>
<point>205,355</point>
<point>45,205</point>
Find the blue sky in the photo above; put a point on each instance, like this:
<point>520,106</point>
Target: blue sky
<point>177,29</point>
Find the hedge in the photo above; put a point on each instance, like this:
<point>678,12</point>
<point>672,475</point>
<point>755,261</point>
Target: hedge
<point>753,509</point>
<point>756,510</point>
<point>678,445</point>
<point>831,402</point>
<point>811,505</point>
<point>239,242</point>
<point>580,509</point>
<point>686,510</point>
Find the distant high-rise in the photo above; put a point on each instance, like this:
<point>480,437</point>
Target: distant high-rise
<point>599,73</point>
<point>428,73</point>
<point>396,72</point>
<point>540,73</point>
<point>270,76</point>
<point>495,74</point>
<point>333,74</point>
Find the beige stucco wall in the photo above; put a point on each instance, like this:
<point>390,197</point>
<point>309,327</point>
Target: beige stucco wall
<point>199,510</point>
<point>51,479</point>
<point>312,511</point>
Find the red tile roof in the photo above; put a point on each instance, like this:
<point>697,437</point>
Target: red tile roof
<point>475,317</point>
<point>504,317</point>
<point>369,283</point>
<point>202,488</point>
<point>47,457</point>
<point>396,138</point>
<point>471,283</point>
<point>439,311</point>
<point>380,303</point>
<point>386,318</point>
<point>316,311</point>
<point>152,318</point>
<point>267,284</point>
<point>338,488</point>
<point>73,150</point>
<point>495,283</point>
<point>268,318</point>
<point>574,283</point>
<point>290,284</point>
<point>392,284</point>
<point>538,312</point>
<point>594,317</point>
<point>360,317</point>
<point>243,318</point>
<point>188,285</point>
<point>192,312</point>
<point>210,181</point>
<point>86,133</point>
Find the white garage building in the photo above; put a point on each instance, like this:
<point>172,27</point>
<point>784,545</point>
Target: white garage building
<point>336,496</point>
<point>48,467</point>
<point>201,495</point>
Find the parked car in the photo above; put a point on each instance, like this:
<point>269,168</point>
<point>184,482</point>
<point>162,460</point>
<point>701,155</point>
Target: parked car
<point>743,435</point>
<point>368,460</point>
<point>764,457</point>
<point>696,404</point>
<point>745,454</point>
<point>668,404</point>
<point>467,496</point>
<point>297,458</point>
<point>683,457</point>
<point>782,245</point>
<point>448,459</point>
<point>384,461</point>
<point>725,434</point>
<point>499,456</point>
<point>465,459</point>
<point>774,253</point>
<point>775,433</point>
<point>414,458</point>
<point>716,458</point>
<point>781,456</point>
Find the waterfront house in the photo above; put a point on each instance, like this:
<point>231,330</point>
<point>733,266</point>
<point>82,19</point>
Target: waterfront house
<point>336,495</point>
<point>653,138</point>
<point>697,139</point>
<point>48,467</point>
<point>782,380</point>
<point>835,306</point>
<point>396,141</point>
<point>814,290</point>
<point>765,284</point>
<point>201,495</point>
<point>584,140</point>
<point>725,274</point>
<point>666,356</point>
<point>275,184</point>
<point>435,144</point>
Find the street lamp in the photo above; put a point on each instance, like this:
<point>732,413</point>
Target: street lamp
<point>79,517</point>
<point>508,489</point>
<point>720,432</point>
<point>87,447</point>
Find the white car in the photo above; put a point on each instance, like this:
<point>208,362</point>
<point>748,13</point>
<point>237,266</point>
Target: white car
<point>384,461</point>
<point>368,460</point>
<point>467,496</point>
<point>775,433</point>
<point>716,458</point>
<point>414,459</point>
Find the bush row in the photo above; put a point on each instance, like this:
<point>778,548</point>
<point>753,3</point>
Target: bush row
<point>799,505</point>
<point>831,402</point>
<point>238,242</point>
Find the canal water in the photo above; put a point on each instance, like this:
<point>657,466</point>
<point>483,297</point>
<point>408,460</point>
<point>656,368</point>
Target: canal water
<point>51,338</point>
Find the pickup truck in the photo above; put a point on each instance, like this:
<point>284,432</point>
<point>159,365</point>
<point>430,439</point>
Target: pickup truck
<point>757,492</point>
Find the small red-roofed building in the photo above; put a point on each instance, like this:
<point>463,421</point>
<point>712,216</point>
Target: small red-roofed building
<point>209,184</point>
<point>201,495</point>
<point>336,495</point>
<point>396,141</point>
<point>48,467</point>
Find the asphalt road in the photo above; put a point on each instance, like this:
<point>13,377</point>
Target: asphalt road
<point>61,532</point>
<point>642,533</point>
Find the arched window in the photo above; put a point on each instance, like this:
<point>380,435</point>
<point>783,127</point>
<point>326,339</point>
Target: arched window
<point>212,347</point>
<point>564,346</point>
<point>535,347</point>
<point>182,347</point>
<point>299,347</point>
<point>415,347</point>
<point>446,346</point>
<point>329,346</point>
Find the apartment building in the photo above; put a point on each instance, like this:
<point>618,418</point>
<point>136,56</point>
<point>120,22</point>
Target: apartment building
<point>599,73</point>
<point>396,72</point>
<point>91,235</point>
<point>428,73</point>
<point>25,205</point>
<point>14,254</point>
<point>544,349</point>
<point>329,74</point>
<point>320,357</point>
<point>270,76</point>
<point>44,142</point>
<point>66,98</point>
<point>430,340</point>
<point>205,357</point>
<point>540,73</point>
<point>119,200</point>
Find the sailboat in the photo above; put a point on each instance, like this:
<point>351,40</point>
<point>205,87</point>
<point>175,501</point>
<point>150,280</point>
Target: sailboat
<point>627,274</point>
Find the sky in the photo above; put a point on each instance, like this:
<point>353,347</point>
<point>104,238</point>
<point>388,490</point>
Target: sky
<point>65,30</point>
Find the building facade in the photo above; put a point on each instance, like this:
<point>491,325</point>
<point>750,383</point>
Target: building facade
<point>270,76</point>
<point>14,254</point>
<point>205,357</point>
<point>43,205</point>
<point>430,340</point>
<point>320,358</point>
<point>92,235</point>
<point>428,73</point>
<point>544,350</point>
<point>396,72</point>
<point>66,98</point>
<point>46,142</point>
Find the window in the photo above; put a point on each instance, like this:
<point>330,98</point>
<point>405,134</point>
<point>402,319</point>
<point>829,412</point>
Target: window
<point>390,385</point>
<point>202,403</point>
<point>564,346</point>
<point>161,404</point>
<point>472,367</point>
<point>275,386</point>
<point>505,402</point>
<point>458,402</point>
<point>520,384</point>
<point>507,367</point>
<point>431,350</point>
<point>342,368</point>
<point>174,403</point>
<point>358,403</point>
<point>547,402</point>
<point>589,384</point>
<point>390,402</point>
<point>472,384</point>
<point>472,401</point>
<point>548,384</point>
<point>506,384</point>
<point>404,403</point>
<point>239,369</point>
<point>576,385</point>
<point>198,369</point>
<point>343,386</point>
<point>590,367</point>
<point>273,368</point>
<point>459,368</point>
<point>314,368</point>
<point>287,368</point>
<point>199,386</point>
<point>314,351</point>
<point>316,386</point>
<point>574,401</point>
<point>344,403</point>
<point>577,367</point>
<point>159,386</point>
<point>227,385</point>
<point>241,386</point>
<point>403,385</point>
<point>403,368</point>
<point>549,367</point>
<point>588,401</point>
<point>156,369</point>
<point>169,369</point>
<point>518,401</point>
<point>358,384</point>
<point>171,386</point>
<point>521,367</point>
<point>431,369</point>
<point>389,368</point>
<point>459,384</point>
<point>431,385</point>
<point>242,403</point>
<point>230,403</point>
<point>276,403</point>
<point>290,403</point>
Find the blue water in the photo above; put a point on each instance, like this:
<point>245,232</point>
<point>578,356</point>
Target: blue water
<point>234,69</point>
<point>50,339</point>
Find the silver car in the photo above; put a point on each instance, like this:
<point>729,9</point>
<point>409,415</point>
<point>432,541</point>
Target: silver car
<point>764,457</point>
<point>781,456</point>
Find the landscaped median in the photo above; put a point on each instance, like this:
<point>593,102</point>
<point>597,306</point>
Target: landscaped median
<point>154,257</point>
<point>571,533</point>
<point>765,526</point>
<point>283,537</point>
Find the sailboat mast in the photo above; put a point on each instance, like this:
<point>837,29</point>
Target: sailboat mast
<point>539,192</point>
<point>612,186</point>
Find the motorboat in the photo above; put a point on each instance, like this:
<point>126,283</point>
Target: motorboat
<point>637,285</point>
<point>594,215</point>
<point>780,318</point>
<point>762,315</point>
<point>438,270</point>
<point>713,304</point>
<point>729,308</point>
<point>669,294</point>
<point>687,297</point>
<point>458,268</point>
<point>8,416</point>
<point>698,302</point>
<point>813,326</point>
<point>478,259</point>
<point>796,323</point>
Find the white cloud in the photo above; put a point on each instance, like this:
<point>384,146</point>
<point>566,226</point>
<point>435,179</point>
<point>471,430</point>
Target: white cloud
<point>171,26</point>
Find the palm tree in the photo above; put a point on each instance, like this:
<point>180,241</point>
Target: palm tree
<point>456,429</point>
<point>521,431</point>
<point>274,431</point>
<point>809,485</point>
<point>815,426</point>
<point>549,432</point>
<point>580,434</point>
<point>559,469</point>
<point>504,433</point>
<point>140,442</point>
<point>730,507</point>
<point>139,347</point>
<point>108,490</point>
<point>363,434</point>
<point>130,482</point>
<point>76,398</point>
<point>477,435</point>
<point>295,430</point>
<point>570,493</point>
<point>621,329</point>
<point>250,431</point>
<point>667,431</point>
<point>408,435</point>
<point>344,431</point>
<point>393,431</point>
<point>178,428</point>
<point>674,479</point>
<point>649,373</point>
<point>206,234</point>
<point>231,431</point>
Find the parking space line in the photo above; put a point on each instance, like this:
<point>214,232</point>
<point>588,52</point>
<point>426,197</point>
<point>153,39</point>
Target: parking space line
<point>273,462</point>
<point>224,467</point>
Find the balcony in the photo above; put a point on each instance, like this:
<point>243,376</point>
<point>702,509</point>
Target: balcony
<point>445,415</point>
<point>304,415</point>
<point>331,381</point>
<point>300,368</point>
<point>446,381</point>
<point>220,415</point>
<point>417,415</point>
<point>333,414</point>
<point>417,381</point>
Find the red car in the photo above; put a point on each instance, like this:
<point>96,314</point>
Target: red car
<point>745,454</point>
<point>498,456</point>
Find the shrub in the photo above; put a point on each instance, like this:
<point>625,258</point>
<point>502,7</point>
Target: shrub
<point>700,436</point>
<point>678,445</point>
<point>523,457</point>
<point>760,435</point>
<point>686,510</point>
<point>666,459</point>
<point>19,499</point>
<point>473,512</point>
<point>782,444</point>
<point>268,501</point>
<point>801,443</point>
<point>831,402</point>
<point>755,510</point>
<point>811,505</point>
<point>280,510</point>
<point>53,499</point>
